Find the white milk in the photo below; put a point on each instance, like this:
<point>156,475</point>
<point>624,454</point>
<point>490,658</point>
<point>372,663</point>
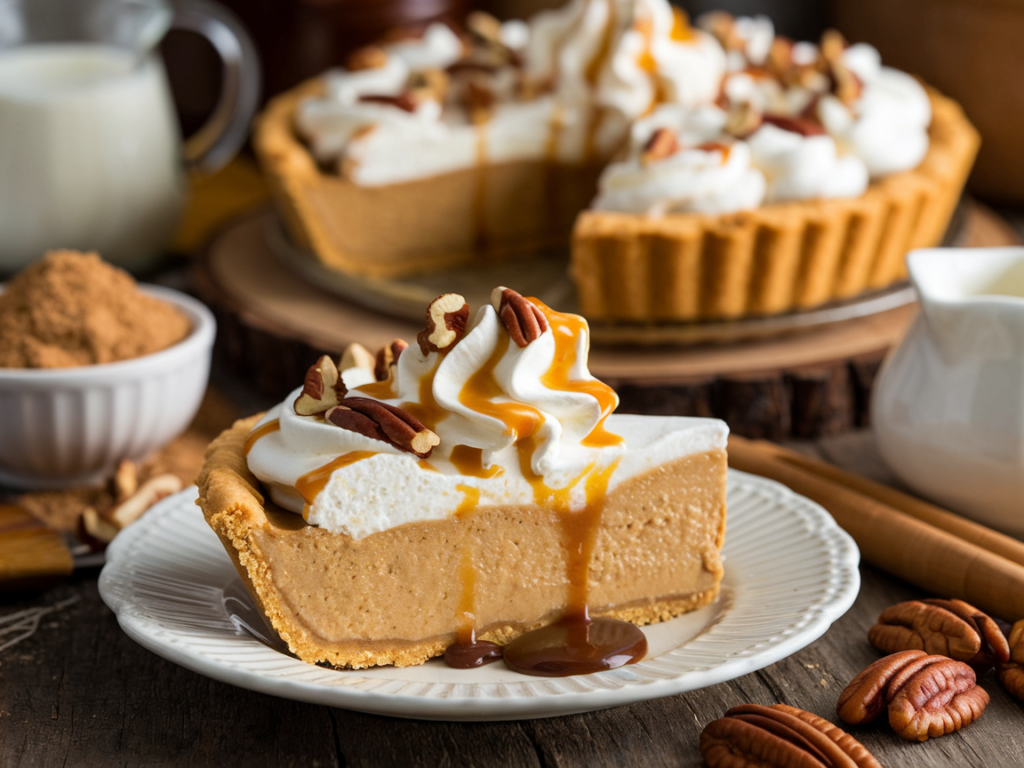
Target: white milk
<point>89,154</point>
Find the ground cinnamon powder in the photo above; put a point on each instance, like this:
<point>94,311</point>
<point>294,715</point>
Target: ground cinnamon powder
<point>71,309</point>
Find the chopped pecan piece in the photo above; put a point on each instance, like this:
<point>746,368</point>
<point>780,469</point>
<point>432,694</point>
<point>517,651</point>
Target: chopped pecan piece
<point>846,86</point>
<point>382,421</point>
<point>149,493</point>
<point>742,120</point>
<point>447,317</point>
<point>357,356</point>
<point>403,101</point>
<point>926,695</point>
<point>661,144</point>
<point>387,358</point>
<point>1011,673</point>
<point>428,85</point>
<point>479,100</point>
<point>521,317</point>
<point>484,26</point>
<point>321,389</point>
<point>801,125</point>
<point>367,57</point>
<point>779,736</point>
<point>722,26</point>
<point>125,480</point>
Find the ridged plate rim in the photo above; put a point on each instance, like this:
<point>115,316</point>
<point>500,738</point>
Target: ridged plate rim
<point>790,572</point>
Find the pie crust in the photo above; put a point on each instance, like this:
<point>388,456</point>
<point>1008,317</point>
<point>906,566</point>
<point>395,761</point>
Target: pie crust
<point>776,258</point>
<point>393,597</point>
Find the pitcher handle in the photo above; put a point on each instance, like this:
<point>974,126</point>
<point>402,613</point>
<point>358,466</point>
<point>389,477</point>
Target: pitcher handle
<point>223,134</point>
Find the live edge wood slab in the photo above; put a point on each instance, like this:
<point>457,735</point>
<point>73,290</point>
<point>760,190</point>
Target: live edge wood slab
<point>273,325</point>
<point>77,691</point>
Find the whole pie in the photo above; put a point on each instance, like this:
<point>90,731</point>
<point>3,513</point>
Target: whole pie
<point>473,484</point>
<point>707,172</point>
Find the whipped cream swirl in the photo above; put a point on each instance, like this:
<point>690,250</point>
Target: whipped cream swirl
<point>578,77</point>
<point>516,425</point>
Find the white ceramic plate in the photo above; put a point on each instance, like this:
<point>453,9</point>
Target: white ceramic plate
<point>790,572</point>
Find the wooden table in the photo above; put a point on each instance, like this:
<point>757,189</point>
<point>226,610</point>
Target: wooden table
<point>78,692</point>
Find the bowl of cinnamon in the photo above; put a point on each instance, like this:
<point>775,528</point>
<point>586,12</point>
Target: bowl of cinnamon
<point>93,369</point>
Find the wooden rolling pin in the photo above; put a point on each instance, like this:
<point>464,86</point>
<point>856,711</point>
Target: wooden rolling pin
<point>927,556</point>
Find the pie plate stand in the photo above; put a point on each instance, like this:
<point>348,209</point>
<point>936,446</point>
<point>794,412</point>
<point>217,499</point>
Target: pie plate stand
<point>273,324</point>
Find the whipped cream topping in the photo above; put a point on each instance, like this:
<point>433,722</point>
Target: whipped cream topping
<point>791,123</point>
<point>563,87</point>
<point>516,425</point>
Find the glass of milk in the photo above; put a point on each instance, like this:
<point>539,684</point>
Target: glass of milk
<point>90,152</point>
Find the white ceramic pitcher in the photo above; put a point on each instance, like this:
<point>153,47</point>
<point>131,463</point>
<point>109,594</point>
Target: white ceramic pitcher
<point>948,407</point>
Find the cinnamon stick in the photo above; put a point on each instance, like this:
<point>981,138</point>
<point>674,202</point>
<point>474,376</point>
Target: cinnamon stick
<point>968,530</point>
<point>909,548</point>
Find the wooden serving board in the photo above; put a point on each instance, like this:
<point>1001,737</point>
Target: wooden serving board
<point>273,325</point>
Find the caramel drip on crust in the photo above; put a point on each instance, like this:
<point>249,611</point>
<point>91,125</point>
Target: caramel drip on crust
<point>261,431</point>
<point>566,329</point>
<point>579,532</point>
<point>467,570</point>
<point>312,483</point>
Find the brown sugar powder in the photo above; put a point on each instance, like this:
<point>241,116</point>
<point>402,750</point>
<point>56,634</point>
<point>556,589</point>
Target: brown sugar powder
<point>71,309</point>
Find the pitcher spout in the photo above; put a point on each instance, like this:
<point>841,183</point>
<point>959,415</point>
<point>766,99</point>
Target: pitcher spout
<point>972,300</point>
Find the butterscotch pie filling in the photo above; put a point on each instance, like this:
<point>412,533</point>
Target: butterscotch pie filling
<point>473,489</point>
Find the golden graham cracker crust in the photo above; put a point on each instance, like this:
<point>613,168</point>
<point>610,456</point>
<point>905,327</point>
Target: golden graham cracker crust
<point>776,258</point>
<point>489,212</point>
<point>393,597</point>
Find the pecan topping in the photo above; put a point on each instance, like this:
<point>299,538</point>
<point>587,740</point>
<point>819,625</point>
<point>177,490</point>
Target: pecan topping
<point>367,57</point>
<point>1011,673</point>
<point>484,26</point>
<point>428,85</point>
<point>950,628</point>
<point>661,144</point>
<point>742,120</point>
<point>447,316</point>
<point>521,317</point>
<point>382,421</point>
<point>125,480</point>
<point>722,26</point>
<point>479,101</point>
<point>801,125</point>
<point>403,101</point>
<point>846,85</point>
<point>357,356</point>
<point>322,388</point>
<point>927,696</point>
<point>779,736</point>
<point>387,357</point>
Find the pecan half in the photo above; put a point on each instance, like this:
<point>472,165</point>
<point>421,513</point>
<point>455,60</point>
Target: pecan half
<point>926,695</point>
<point>941,698</point>
<point>521,317</point>
<point>1011,673</point>
<point>387,357</point>
<point>661,144</point>
<point>389,423</point>
<point>367,57</point>
<point>802,125</point>
<point>321,389</point>
<point>950,628</point>
<point>447,317</point>
<point>779,736</point>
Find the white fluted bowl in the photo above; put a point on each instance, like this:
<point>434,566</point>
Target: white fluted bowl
<point>62,427</point>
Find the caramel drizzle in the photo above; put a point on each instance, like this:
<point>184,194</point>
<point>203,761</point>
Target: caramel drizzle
<point>312,483</point>
<point>261,431</point>
<point>470,462</point>
<point>566,329</point>
<point>480,391</point>
<point>467,569</point>
<point>379,390</point>
<point>428,411</point>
